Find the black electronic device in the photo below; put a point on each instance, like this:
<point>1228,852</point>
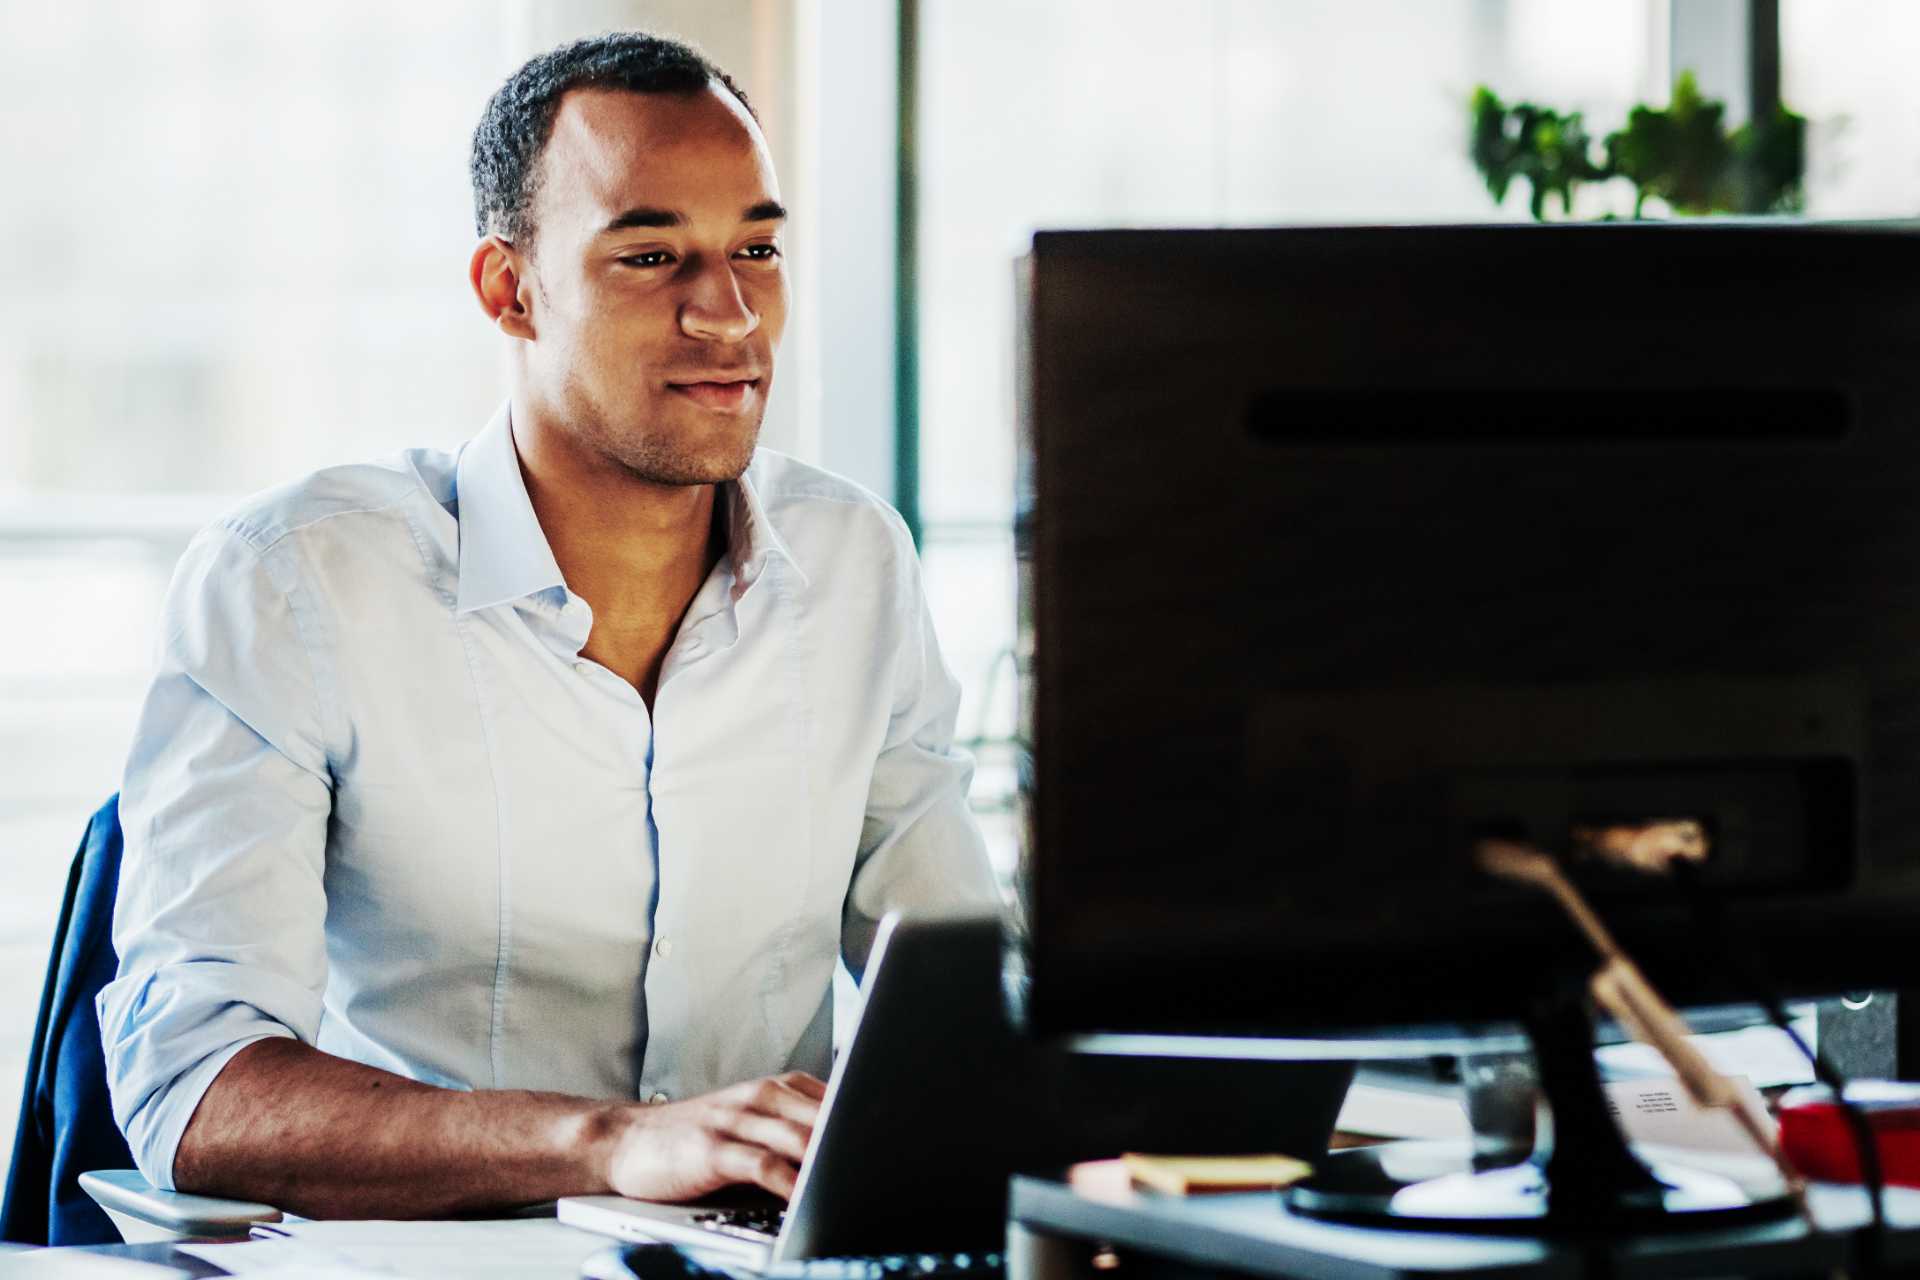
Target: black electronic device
<point>934,1101</point>
<point>1343,549</point>
<point>671,1262</point>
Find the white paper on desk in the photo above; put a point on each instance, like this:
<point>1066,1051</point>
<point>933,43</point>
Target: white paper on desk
<point>516,1247</point>
<point>1765,1055</point>
<point>281,1259</point>
<point>1661,1111</point>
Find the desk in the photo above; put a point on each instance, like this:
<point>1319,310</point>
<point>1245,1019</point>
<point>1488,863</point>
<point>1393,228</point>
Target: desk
<point>1253,1235</point>
<point>510,1249</point>
<point>1053,1227</point>
<point>166,1255</point>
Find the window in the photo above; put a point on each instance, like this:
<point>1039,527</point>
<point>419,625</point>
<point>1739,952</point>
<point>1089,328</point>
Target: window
<point>237,241</point>
<point>1845,65</point>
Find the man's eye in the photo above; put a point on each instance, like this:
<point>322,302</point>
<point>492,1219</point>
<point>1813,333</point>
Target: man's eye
<point>653,258</point>
<point>762,252</point>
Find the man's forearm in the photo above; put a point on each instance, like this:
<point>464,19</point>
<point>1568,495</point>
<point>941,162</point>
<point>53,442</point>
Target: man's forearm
<point>290,1126</point>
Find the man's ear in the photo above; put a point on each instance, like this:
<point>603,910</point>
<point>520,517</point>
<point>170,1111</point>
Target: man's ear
<point>496,272</point>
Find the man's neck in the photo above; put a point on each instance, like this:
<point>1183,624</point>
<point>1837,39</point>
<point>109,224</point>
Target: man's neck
<point>636,551</point>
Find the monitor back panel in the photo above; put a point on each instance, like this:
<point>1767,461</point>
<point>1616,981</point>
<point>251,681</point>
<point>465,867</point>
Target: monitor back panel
<point>1344,548</point>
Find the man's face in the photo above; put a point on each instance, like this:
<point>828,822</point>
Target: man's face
<point>660,289</point>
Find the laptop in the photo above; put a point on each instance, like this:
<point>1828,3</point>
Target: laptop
<point>936,1100</point>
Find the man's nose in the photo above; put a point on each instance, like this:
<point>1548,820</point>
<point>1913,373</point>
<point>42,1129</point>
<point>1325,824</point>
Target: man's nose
<point>714,309</point>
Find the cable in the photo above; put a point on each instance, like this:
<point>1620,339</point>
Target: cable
<point>1712,923</point>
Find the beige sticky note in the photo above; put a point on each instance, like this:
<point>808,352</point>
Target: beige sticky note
<point>1185,1175</point>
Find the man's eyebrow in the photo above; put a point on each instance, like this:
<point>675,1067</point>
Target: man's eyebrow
<point>642,216</point>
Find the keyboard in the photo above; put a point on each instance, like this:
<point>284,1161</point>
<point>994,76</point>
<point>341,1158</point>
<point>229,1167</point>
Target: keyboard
<point>893,1266</point>
<point>666,1262</point>
<point>759,1223</point>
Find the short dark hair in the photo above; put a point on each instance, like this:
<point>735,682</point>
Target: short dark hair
<point>514,129</point>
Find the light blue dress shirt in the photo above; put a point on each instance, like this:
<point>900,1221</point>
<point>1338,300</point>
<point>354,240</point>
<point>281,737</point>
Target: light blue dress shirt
<point>378,801</point>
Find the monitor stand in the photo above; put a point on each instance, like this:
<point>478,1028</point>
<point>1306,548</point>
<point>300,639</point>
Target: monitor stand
<point>1589,1181</point>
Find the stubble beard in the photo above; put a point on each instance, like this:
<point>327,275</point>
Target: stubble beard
<point>664,458</point>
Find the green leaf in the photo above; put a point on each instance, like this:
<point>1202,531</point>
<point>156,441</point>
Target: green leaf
<point>1681,154</point>
<point>1549,150</point>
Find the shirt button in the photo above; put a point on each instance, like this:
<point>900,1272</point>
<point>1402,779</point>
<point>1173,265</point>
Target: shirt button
<point>663,948</point>
<point>657,1099</point>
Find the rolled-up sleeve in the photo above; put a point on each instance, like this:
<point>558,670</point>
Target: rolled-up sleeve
<point>224,805</point>
<point>920,848</point>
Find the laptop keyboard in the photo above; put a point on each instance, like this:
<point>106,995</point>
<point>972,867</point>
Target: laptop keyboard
<point>667,1262</point>
<point>894,1266</point>
<point>754,1223</point>
<point>763,1222</point>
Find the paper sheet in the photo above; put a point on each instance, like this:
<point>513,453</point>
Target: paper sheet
<point>516,1247</point>
<point>1659,1111</point>
<point>1386,1112</point>
<point>1762,1054</point>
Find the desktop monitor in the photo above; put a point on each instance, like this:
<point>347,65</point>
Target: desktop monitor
<point>1342,549</point>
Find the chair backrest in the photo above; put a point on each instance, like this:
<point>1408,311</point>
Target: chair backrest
<point>66,1117</point>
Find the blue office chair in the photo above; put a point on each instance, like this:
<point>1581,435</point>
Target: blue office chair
<point>72,1179</point>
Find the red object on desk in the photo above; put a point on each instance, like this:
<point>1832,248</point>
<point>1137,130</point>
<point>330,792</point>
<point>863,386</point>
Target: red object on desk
<point>1820,1142</point>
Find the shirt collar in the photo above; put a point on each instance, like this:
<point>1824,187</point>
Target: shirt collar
<point>504,555</point>
<point>751,538</point>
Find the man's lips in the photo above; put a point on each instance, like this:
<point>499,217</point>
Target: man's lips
<point>725,394</point>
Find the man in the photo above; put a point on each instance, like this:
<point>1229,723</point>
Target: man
<point>495,819</point>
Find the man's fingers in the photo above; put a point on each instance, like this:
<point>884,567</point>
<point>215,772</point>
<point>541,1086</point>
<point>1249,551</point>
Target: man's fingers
<point>782,1137</point>
<point>777,1098</point>
<point>738,1162</point>
<point>811,1086</point>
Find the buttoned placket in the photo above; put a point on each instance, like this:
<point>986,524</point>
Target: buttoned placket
<point>570,627</point>
<point>710,627</point>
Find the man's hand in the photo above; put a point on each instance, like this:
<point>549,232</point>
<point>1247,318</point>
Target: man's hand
<point>749,1133</point>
